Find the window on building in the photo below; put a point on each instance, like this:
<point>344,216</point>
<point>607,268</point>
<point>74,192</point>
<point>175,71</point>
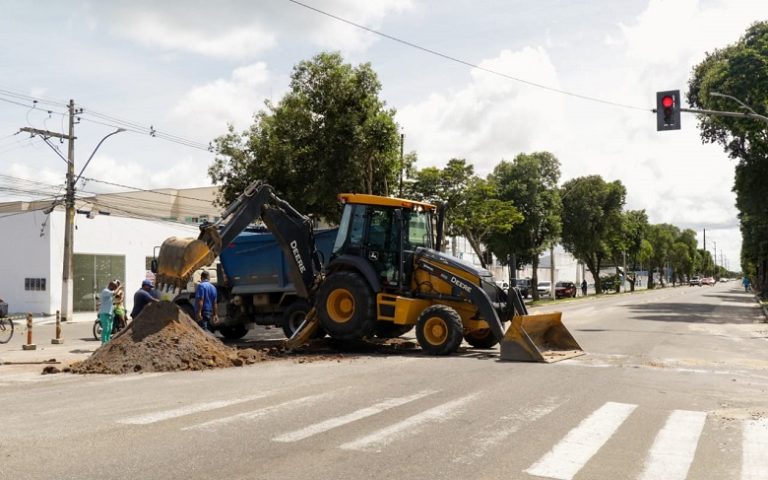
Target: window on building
<point>35,284</point>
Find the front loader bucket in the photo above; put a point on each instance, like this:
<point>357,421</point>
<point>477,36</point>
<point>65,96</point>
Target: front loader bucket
<point>179,258</point>
<point>538,338</point>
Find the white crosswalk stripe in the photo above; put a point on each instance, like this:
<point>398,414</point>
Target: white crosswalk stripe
<point>261,412</point>
<point>675,445</point>
<point>379,439</point>
<point>582,443</point>
<point>352,417</point>
<point>155,417</point>
<point>754,462</point>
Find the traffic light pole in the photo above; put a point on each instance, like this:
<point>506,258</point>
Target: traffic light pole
<point>726,114</point>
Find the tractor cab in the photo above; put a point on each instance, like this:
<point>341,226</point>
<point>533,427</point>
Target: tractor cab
<point>385,232</point>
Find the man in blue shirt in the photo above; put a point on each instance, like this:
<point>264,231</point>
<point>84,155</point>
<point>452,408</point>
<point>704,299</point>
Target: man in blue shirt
<point>205,302</point>
<point>143,297</point>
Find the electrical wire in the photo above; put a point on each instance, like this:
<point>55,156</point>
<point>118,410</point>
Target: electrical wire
<point>465,62</point>
<point>145,190</point>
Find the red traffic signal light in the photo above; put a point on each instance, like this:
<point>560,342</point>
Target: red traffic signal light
<point>668,110</point>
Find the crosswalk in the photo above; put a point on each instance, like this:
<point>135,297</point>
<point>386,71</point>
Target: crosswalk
<point>669,456</point>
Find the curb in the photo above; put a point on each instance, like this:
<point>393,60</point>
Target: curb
<point>763,306</point>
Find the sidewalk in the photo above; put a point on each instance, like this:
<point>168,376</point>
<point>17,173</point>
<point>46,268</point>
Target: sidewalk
<point>77,336</point>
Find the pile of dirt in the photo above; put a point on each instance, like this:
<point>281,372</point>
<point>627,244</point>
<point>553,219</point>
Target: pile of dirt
<point>163,339</point>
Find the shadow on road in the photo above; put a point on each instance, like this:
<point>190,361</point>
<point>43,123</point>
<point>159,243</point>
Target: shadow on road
<point>695,312</point>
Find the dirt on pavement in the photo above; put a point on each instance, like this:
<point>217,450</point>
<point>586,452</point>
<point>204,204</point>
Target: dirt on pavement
<point>163,339</point>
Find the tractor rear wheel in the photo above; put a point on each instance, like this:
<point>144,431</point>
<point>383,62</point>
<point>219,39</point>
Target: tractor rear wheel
<point>439,330</point>
<point>482,338</point>
<point>346,306</point>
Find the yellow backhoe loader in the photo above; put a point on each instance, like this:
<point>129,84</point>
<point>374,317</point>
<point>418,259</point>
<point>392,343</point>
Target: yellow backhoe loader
<point>384,278</point>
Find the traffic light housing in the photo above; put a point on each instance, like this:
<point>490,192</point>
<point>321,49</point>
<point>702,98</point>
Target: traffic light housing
<point>668,110</point>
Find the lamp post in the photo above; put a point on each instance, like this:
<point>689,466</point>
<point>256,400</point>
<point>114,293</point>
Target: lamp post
<point>69,224</point>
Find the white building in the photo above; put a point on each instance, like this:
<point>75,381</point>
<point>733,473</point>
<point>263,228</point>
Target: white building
<point>115,237</point>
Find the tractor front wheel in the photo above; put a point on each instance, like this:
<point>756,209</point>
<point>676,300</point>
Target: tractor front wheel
<point>439,330</point>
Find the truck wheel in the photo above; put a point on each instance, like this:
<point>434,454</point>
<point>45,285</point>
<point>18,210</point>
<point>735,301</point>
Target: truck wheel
<point>234,332</point>
<point>346,306</point>
<point>482,338</point>
<point>294,315</point>
<point>439,330</point>
<point>391,330</point>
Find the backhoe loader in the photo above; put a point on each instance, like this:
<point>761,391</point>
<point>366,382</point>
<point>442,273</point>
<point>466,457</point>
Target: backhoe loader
<point>383,279</point>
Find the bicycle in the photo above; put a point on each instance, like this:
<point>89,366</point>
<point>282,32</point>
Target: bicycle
<point>6,330</point>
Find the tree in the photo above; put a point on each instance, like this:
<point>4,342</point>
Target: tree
<point>741,71</point>
<point>530,183</point>
<point>662,238</point>
<point>592,220</point>
<point>329,134</point>
<point>473,209</point>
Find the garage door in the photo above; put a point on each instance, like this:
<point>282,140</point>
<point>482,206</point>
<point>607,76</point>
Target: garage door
<point>92,274</point>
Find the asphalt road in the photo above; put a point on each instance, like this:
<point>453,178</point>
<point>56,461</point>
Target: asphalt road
<point>673,386</point>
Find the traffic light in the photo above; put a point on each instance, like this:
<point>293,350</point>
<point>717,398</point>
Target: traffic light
<point>668,110</point>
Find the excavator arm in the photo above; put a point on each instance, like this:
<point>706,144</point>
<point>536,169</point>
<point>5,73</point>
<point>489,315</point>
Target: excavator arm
<point>179,258</point>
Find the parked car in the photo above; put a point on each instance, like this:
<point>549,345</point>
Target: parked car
<point>694,282</point>
<point>544,288</point>
<point>565,290</point>
<point>708,281</point>
<point>524,285</point>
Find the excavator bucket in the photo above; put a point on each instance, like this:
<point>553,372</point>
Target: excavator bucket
<point>538,338</point>
<point>179,258</point>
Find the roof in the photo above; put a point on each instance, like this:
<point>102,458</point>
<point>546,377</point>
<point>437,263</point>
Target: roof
<point>359,198</point>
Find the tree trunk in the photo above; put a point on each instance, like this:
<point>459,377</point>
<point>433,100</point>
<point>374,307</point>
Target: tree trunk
<point>535,277</point>
<point>595,271</point>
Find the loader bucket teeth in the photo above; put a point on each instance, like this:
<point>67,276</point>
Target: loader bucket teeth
<point>538,338</point>
<point>179,258</point>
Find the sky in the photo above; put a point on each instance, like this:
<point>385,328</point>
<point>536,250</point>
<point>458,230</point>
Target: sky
<point>188,69</point>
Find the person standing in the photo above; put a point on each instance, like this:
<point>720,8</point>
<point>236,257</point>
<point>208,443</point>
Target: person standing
<point>746,282</point>
<point>584,288</point>
<point>105,311</point>
<point>143,297</point>
<point>205,303</point>
<point>119,320</point>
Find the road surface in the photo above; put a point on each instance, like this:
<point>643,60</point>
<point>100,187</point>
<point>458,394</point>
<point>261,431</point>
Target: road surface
<point>673,387</point>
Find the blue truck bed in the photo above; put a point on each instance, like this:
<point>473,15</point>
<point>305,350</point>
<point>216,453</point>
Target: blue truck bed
<point>254,261</point>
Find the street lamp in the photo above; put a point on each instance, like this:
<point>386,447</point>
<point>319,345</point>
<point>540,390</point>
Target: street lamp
<point>744,105</point>
<point>94,153</point>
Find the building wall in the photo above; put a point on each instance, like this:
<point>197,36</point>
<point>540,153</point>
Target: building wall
<point>26,253</point>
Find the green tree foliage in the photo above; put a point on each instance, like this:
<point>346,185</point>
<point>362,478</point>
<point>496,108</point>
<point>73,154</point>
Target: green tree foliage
<point>662,238</point>
<point>472,207</point>
<point>593,220</point>
<point>331,133</point>
<point>530,183</point>
<point>741,71</point>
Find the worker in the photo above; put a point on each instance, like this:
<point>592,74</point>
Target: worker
<point>106,311</point>
<point>143,297</point>
<point>119,320</point>
<point>205,303</point>
<point>584,288</point>
<point>746,282</point>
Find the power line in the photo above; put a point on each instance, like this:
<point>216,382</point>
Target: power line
<point>465,62</point>
<point>116,122</point>
<point>144,190</point>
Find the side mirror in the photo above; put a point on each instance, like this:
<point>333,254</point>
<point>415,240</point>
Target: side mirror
<point>153,265</point>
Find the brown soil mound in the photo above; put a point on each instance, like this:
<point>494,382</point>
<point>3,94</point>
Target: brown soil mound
<point>162,339</point>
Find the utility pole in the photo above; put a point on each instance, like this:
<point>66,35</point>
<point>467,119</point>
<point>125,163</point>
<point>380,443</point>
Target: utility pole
<point>624,277</point>
<point>715,261</point>
<point>69,223</point>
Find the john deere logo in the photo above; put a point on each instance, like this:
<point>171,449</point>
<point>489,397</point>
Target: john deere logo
<point>461,284</point>
<point>297,256</point>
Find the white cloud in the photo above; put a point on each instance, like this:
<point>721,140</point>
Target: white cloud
<point>235,42</point>
<point>207,109</point>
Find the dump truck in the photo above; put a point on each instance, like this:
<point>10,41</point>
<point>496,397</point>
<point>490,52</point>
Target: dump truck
<point>254,286</point>
<point>384,277</point>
